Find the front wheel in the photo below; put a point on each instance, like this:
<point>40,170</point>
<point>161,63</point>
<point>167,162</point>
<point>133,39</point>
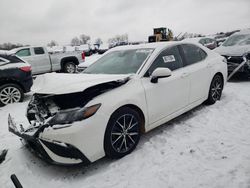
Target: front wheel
<point>215,90</point>
<point>122,133</point>
<point>10,93</point>
<point>69,67</point>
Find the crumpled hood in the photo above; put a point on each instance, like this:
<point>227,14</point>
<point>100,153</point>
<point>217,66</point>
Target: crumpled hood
<point>236,50</point>
<point>59,83</point>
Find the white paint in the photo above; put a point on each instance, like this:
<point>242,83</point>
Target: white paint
<point>160,102</point>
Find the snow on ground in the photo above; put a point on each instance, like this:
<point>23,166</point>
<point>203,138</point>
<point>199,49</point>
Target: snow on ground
<point>206,147</point>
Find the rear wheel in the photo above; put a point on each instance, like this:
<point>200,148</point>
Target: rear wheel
<point>122,133</point>
<point>10,93</point>
<point>69,67</point>
<point>215,90</point>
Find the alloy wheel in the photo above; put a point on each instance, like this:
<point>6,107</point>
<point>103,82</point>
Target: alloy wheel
<point>125,133</point>
<point>70,68</point>
<point>10,95</point>
<point>216,89</point>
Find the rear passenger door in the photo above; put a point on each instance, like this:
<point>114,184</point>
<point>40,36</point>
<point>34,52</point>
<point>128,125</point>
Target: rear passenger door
<point>197,70</point>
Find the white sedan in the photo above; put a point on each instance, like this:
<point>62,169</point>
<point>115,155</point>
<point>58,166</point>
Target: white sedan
<point>130,90</point>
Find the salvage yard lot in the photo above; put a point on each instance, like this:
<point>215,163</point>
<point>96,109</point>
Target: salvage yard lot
<point>206,147</point>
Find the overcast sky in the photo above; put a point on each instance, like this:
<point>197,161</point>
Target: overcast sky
<point>36,22</point>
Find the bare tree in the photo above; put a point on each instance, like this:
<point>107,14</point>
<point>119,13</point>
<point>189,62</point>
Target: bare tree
<point>9,46</point>
<point>84,39</point>
<point>75,41</point>
<point>52,43</point>
<point>118,39</point>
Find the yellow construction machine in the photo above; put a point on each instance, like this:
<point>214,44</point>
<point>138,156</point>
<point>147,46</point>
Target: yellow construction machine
<point>161,34</point>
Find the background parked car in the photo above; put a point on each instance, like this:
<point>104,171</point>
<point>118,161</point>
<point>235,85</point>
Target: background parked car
<point>233,50</point>
<point>220,39</point>
<point>15,79</point>
<point>42,62</point>
<point>205,41</point>
<point>103,48</point>
<point>89,61</point>
<point>86,48</point>
<point>94,48</point>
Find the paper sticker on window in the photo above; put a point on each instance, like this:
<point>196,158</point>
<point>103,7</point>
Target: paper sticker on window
<point>168,59</point>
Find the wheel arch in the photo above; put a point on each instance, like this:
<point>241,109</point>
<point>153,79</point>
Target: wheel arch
<point>221,75</point>
<point>11,81</point>
<point>137,109</point>
<point>69,59</point>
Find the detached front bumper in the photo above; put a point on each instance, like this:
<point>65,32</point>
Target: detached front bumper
<point>232,66</point>
<point>234,61</point>
<point>51,151</point>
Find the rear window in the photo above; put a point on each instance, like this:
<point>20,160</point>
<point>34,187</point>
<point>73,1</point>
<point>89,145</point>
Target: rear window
<point>23,52</point>
<point>237,40</point>
<point>12,58</point>
<point>39,51</point>
<point>193,54</point>
<point>2,59</point>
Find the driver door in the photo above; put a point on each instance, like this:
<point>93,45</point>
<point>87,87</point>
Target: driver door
<point>170,94</point>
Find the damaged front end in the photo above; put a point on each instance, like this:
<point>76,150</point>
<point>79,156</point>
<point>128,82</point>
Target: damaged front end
<point>48,111</point>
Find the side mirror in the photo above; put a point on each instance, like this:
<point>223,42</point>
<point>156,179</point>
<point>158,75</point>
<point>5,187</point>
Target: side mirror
<point>160,73</point>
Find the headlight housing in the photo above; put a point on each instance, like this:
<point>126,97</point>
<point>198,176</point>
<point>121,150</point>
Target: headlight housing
<point>72,115</point>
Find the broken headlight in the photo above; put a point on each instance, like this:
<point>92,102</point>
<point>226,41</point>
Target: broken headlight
<point>72,115</point>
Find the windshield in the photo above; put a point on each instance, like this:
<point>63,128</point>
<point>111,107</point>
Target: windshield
<point>119,62</point>
<point>237,40</point>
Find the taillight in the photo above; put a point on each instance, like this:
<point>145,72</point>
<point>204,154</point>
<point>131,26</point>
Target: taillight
<point>83,56</point>
<point>25,69</point>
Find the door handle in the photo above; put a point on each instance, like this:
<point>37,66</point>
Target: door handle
<point>184,75</point>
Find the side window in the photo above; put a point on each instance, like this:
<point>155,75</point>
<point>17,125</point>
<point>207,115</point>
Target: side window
<point>3,58</point>
<point>23,52</point>
<point>202,41</point>
<point>203,54</point>
<point>169,58</point>
<point>14,59</point>
<point>209,41</point>
<point>10,58</point>
<point>39,51</point>
<point>193,54</point>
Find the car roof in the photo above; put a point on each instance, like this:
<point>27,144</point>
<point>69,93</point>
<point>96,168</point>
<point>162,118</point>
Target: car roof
<point>154,45</point>
<point>196,39</point>
<point>4,52</point>
<point>24,47</point>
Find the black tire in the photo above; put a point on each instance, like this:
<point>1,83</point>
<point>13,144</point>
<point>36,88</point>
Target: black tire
<point>10,89</point>
<point>215,89</point>
<point>119,142</point>
<point>69,67</point>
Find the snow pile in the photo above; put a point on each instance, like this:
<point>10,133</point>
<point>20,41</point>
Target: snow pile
<point>207,147</point>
